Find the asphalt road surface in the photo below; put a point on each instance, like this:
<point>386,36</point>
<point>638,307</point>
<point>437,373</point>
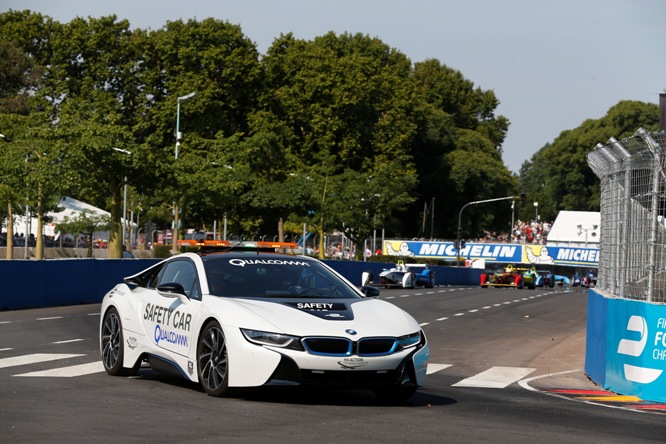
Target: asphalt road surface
<point>488,348</point>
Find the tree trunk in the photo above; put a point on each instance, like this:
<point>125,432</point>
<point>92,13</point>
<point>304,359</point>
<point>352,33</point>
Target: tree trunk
<point>90,244</point>
<point>280,230</point>
<point>39,241</point>
<point>115,227</point>
<point>322,244</point>
<point>10,232</point>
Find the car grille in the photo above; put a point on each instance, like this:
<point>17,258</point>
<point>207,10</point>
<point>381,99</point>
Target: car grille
<point>349,378</point>
<point>326,346</point>
<point>288,373</point>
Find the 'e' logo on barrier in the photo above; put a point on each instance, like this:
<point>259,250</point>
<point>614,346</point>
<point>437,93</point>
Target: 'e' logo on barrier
<point>630,347</point>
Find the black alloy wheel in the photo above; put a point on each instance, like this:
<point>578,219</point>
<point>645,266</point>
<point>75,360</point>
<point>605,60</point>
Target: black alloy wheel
<point>113,352</point>
<point>212,360</point>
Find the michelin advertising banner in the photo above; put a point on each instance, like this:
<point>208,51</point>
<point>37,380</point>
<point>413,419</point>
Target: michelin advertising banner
<point>499,253</point>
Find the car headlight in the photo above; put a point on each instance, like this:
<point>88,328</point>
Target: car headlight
<point>273,339</point>
<point>409,341</point>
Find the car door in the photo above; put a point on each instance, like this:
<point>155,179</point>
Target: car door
<point>168,320</point>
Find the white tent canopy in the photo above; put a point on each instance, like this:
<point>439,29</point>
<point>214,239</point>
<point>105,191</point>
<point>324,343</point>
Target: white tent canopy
<point>70,208</point>
<point>576,229</point>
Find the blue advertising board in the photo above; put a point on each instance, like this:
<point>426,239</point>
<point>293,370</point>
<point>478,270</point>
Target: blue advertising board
<point>636,349</point>
<point>499,253</point>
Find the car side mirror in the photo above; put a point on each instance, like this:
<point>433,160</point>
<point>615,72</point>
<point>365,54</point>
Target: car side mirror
<point>172,290</point>
<point>370,291</point>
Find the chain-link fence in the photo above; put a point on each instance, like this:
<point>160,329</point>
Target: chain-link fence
<point>632,260</point>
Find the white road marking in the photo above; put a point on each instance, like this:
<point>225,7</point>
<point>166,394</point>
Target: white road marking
<point>442,319</point>
<point>434,368</point>
<point>34,358</point>
<point>5,322</point>
<point>48,319</point>
<point>68,372</point>
<point>424,324</point>
<point>495,377</point>
<point>68,341</point>
<point>459,314</point>
<point>5,349</point>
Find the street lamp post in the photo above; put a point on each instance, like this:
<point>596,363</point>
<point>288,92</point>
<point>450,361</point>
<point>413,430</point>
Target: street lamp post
<point>536,212</point>
<point>459,234</point>
<point>179,137</point>
<point>513,218</point>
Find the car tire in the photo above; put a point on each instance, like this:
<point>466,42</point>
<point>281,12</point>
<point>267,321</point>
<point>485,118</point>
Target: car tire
<point>400,392</point>
<point>431,280</point>
<point>112,345</point>
<point>212,360</point>
<point>520,283</point>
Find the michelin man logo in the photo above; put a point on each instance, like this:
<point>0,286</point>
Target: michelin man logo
<point>630,347</point>
<point>404,250</point>
<point>542,258</point>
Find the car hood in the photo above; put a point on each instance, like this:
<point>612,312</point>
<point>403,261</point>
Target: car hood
<point>328,317</point>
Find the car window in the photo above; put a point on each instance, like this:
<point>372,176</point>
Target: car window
<point>261,276</point>
<point>183,272</point>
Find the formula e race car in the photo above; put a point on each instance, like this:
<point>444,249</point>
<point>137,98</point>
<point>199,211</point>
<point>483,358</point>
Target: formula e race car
<point>404,276</point>
<point>510,277</point>
<point>247,317</point>
<point>590,279</point>
<point>545,278</point>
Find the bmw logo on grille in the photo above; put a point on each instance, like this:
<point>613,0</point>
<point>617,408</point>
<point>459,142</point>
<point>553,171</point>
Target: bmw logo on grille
<point>350,331</point>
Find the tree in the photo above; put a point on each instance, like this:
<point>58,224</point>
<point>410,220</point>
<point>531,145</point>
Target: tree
<point>213,59</point>
<point>19,73</point>
<point>13,190</point>
<point>19,79</point>
<point>477,173</point>
<point>558,176</point>
<point>87,223</point>
<point>346,105</point>
<point>458,149</point>
<point>362,203</point>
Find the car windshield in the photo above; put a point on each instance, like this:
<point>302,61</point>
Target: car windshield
<point>252,275</point>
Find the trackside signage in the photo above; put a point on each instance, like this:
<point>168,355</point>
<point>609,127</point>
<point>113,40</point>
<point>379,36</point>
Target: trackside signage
<point>636,349</point>
<point>500,253</point>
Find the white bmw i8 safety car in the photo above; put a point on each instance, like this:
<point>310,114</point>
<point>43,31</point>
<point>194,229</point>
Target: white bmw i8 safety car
<point>236,319</point>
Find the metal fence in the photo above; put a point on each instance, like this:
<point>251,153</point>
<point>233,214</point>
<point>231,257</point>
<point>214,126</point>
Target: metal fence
<point>632,258</point>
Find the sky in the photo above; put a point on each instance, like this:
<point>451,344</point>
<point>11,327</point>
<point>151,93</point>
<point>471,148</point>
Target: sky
<point>551,64</point>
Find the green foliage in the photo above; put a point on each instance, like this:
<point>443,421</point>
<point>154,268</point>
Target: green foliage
<point>558,177</point>
<point>458,152</point>
<point>339,132</point>
<point>85,223</point>
<point>161,251</point>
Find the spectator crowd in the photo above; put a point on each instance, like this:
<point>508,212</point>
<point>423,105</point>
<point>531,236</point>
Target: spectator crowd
<point>534,232</point>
